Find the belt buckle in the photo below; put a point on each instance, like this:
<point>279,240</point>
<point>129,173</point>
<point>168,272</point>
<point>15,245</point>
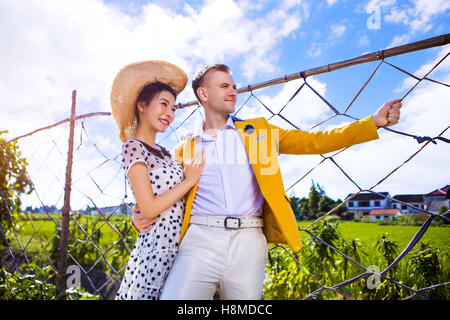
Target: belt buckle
<point>225,223</point>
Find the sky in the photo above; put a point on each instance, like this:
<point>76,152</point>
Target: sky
<point>50,48</point>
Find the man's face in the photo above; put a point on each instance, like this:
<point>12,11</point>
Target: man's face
<point>220,92</point>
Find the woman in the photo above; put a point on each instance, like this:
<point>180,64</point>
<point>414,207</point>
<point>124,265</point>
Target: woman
<point>143,104</point>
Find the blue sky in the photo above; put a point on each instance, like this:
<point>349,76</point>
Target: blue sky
<point>81,45</point>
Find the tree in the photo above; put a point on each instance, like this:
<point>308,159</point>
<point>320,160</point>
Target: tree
<point>341,210</point>
<point>295,205</point>
<point>442,210</point>
<point>13,180</point>
<point>319,189</point>
<point>304,209</point>
<point>317,204</point>
<point>325,204</point>
<point>313,201</point>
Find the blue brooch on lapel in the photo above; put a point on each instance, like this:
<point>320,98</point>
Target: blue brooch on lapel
<point>249,129</point>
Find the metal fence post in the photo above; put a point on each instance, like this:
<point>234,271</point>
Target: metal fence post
<point>64,240</point>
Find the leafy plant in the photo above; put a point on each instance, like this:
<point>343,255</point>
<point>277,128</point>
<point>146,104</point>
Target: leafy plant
<point>33,283</point>
<point>13,181</point>
<point>427,266</point>
<point>287,279</point>
<point>387,249</point>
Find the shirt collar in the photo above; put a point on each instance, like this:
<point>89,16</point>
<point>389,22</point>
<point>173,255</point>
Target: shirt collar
<point>201,134</point>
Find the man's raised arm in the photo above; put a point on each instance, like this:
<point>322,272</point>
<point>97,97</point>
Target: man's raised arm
<point>304,142</point>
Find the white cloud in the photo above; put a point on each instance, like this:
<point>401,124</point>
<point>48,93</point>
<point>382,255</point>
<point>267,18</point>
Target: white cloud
<point>373,5</point>
<point>331,2</point>
<point>306,109</point>
<point>397,16</point>
<point>82,44</point>
<point>337,31</point>
<point>363,41</point>
<point>425,11</point>
<point>314,50</point>
<point>443,67</point>
<point>399,40</point>
<point>416,15</point>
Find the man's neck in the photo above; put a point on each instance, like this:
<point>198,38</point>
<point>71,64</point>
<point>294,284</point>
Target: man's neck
<point>214,121</point>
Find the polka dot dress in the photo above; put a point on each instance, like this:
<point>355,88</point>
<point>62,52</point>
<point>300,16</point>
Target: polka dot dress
<point>154,252</point>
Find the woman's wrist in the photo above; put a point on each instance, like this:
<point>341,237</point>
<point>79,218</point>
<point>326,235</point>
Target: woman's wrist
<point>190,182</point>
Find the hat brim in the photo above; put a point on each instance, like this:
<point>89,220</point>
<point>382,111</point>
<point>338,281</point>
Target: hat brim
<point>130,81</point>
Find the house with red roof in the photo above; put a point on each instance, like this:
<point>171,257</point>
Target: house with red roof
<point>380,205</point>
<point>361,204</point>
<point>383,214</point>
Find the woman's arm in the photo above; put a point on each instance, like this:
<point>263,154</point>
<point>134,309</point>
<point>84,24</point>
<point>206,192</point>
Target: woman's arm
<point>151,205</point>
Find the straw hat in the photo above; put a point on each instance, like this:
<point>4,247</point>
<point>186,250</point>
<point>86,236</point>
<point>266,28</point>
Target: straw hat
<point>129,83</point>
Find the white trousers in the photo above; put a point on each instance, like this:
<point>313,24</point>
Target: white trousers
<point>211,258</point>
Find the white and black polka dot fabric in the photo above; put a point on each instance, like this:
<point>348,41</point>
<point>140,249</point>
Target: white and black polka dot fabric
<point>154,252</point>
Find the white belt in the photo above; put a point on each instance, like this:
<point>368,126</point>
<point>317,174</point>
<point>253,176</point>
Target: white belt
<point>227,222</point>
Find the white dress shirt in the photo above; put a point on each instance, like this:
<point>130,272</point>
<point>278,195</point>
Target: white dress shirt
<point>227,186</point>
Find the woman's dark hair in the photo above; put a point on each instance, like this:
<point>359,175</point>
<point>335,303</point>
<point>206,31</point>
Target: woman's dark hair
<point>149,91</point>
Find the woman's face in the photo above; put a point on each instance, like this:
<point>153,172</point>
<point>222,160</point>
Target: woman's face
<point>160,112</point>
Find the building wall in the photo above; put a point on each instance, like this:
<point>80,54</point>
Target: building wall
<point>381,218</point>
<point>405,209</point>
<point>367,206</point>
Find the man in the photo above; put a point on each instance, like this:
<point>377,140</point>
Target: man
<point>239,203</point>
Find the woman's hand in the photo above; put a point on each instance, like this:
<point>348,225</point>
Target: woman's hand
<point>193,168</point>
<point>152,205</point>
<point>142,223</point>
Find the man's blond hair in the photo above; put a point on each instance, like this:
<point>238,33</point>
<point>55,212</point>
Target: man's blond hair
<point>199,77</point>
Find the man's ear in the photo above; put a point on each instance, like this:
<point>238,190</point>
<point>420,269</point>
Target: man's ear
<point>201,92</point>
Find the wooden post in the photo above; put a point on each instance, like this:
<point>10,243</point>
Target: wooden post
<point>64,240</point>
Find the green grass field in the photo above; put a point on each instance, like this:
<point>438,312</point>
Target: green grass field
<point>367,233</point>
<point>42,232</point>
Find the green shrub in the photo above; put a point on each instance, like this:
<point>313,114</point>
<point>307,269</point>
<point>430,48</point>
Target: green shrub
<point>427,267</point>
<point>33,283</point>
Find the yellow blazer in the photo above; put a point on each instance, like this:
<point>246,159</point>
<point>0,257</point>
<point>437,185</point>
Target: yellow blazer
<point>263,142</point>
